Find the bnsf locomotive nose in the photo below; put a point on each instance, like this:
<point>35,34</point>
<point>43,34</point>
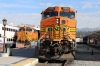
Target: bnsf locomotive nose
<point>57,34</point>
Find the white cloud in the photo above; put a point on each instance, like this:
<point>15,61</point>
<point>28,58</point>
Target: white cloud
<point>32,18</point>
<point>90,4</point>
<point>91,20</point>
<point>63,5</point>
<point>46,4</point>
<point>50,5</point>
<point>16,5</point>
<point>87,5</point>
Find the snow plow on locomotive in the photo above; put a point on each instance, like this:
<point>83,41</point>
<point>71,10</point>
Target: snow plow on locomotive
<point>57,34</point>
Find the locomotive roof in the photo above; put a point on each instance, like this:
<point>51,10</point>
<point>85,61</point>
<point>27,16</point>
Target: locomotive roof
<point>26,27</point>
<point>59,8</point>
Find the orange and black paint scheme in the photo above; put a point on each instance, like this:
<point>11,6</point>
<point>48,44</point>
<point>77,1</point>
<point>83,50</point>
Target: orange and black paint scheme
<point>25,35</point>
<point>57,34</point>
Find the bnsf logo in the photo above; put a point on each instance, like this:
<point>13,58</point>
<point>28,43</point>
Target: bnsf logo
<point>56,28</point>
<point>61,28</point>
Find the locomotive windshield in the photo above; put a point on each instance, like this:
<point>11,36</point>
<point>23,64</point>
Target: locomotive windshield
<point>70,15</point>
<point>28,29</point>
<point>21,29</point>
<point>50,14</point>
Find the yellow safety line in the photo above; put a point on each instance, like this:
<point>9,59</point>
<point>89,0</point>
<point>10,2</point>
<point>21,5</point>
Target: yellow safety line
<point>23,63</point>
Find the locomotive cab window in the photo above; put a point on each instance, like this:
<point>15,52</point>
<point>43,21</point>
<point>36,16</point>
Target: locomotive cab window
<point>35,31</point>
<point>70,15</point>
<point>21,29</point>
<point>50,14</point>
<point>29,29</point>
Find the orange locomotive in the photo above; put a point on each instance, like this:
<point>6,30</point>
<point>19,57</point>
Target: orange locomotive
<point>26,35</point>
<point>57,33</point>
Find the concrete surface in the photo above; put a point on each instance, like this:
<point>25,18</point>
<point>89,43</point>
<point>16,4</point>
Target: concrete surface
<point>27,62</point>
<point>4,54</point>
<point>20,57</point>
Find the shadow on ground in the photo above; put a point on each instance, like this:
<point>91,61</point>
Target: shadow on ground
<point>27,53</point>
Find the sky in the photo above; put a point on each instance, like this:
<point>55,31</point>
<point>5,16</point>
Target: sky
<point>29,11</point>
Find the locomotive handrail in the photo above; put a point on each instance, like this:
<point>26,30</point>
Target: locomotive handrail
<point>71,35</point>
<point>42,36</point>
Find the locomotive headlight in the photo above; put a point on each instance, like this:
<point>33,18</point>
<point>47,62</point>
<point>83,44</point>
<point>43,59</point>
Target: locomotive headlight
<point>57,20</point>
<point>47,36</point>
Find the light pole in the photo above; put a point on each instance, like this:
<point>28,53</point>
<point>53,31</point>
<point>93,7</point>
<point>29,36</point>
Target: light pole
<point>4,23</point>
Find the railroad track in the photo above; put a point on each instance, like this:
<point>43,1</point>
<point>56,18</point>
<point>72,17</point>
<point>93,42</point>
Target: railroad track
<point>62,63</point>
<point>66,63</point>
<point>45,63</point>
<point>94,46</point>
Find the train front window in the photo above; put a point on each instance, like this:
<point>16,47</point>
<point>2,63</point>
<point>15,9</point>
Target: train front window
<point>28,29</point>
<point>50,14</point>
<point>22,29</point>
<point>70,15</point>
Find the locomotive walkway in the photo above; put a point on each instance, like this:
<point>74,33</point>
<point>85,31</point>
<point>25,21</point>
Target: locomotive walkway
<point>20,57</point>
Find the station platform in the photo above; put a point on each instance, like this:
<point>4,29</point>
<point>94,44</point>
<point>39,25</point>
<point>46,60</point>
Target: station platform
<point>20,57</point>
<point>17,61</point>
<point>26,62</point>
